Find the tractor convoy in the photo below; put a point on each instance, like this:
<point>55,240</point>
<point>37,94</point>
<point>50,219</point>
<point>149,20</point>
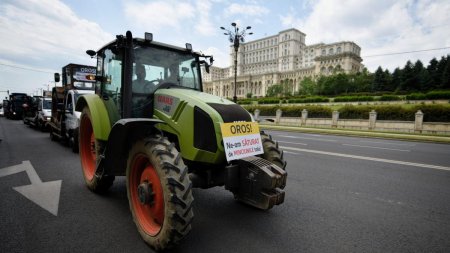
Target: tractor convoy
<point>76,81</point>
<point>142,114</point>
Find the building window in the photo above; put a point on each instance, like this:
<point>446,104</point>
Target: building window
<point>338,50</point>
<point>324,52</point>
<point>330,51</point>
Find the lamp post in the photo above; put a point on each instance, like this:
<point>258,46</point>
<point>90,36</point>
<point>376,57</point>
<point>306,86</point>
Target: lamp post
<point>236,37</point>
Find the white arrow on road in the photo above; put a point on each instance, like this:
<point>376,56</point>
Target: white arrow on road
<point>44,194</point>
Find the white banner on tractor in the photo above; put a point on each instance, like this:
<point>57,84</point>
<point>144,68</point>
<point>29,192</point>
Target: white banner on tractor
<point>241,139</point>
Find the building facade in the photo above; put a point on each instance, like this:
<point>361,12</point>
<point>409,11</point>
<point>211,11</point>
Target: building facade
<point>281,58</point>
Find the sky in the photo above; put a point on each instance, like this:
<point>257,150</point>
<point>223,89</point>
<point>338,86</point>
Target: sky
<point>39,37</point>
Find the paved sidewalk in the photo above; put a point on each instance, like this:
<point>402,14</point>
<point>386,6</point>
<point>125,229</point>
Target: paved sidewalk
<point>373,134</point>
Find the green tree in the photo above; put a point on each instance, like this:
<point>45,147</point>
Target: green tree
<point>380,80</point>
<point>275,90</point>
<point>408,77</point>
<point>433,79</point>
<point>307,87</point>
<point>396,79</point>
<point>361,81</point>
<point>440,71</point>
<point>445,83</point>
<point>340,83</point>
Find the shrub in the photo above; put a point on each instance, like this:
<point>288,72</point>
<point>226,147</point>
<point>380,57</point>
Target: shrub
<point>269,101</point>
<point>416,96</point>
<point>432,113</point>
<point>389,98</point>
<point>438,95</point>
<point>315,99</point>
<point>313,111</point>
<point>353,99</point>
<point>355,112</point>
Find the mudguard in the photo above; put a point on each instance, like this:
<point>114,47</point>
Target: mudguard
<point>123,134</point>
<point>100,117</point>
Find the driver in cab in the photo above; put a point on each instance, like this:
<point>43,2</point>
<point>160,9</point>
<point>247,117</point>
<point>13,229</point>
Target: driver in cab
<point>140,84</point>
<point>141,89</point>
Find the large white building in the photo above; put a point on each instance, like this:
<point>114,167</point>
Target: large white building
<point>281,58</point>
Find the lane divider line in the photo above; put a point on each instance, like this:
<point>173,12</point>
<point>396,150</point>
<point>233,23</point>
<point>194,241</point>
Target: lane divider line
<point>306,138</point>
<point>296,143</point>
<point>361,146</point>
<point>430,166</point>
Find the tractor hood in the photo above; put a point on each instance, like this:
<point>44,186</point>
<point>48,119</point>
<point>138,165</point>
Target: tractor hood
<point>195,118</point>
<point>168,100</point>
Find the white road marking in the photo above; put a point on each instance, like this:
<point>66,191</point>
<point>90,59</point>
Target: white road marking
<point>430,166</point>
<point>296,143</point>
<point>292,153</point>
<point>390,143</point>
<point>393,149</point>
<point>306,138</point>
<point>44,194</point>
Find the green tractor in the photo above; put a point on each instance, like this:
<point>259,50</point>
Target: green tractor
<point>150,121</point>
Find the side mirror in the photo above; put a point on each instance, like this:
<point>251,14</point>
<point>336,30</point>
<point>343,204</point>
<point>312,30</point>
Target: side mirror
<point>91,53</point>
<point>206,65</point>
<point>57,77</point>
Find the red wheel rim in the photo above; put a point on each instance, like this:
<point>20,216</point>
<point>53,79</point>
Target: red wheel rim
<point>150,217</point>
<point>87,148</point>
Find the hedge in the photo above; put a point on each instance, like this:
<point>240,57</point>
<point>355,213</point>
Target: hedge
<point>353,99</point>
<point>316,99</point>
<point>432,113</point>
<point>389,98</point>
<point>438,95</point>
<point>429,95</point>
<point>293,111</point>
<point>416,96</point>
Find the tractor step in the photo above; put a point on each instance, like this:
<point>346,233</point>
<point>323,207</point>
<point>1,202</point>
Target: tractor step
<point>256,182</point>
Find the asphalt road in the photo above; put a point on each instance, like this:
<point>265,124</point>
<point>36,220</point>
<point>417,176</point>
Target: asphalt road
<point>344,194</point>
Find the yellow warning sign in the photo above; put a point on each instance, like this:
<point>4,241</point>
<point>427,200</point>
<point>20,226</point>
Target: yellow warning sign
<point>239,128</point>
<point>241,139</point>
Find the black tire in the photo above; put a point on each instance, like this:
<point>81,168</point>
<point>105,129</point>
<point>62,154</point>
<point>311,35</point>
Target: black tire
<point>53,137</point>
<point>155,164</point>
<point>89,155</point>
<point>74,140</point>
<point>42,126</point>
<point>272,152</point>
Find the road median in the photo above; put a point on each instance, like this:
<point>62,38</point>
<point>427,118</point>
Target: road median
<point>361,133</point>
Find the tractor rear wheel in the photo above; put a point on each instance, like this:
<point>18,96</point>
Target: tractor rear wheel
<point>159,192</point>
<point>272,152</point>
<point>89,152</point>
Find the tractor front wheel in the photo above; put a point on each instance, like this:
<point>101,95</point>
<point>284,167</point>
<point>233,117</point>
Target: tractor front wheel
<point>159,192</point>
<point>272,152</point>
<point>89,153</point>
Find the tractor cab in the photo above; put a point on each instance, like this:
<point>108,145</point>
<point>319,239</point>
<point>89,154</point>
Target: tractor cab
<point>130,71</point>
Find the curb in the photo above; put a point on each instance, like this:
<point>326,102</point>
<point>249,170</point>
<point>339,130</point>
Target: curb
<point>371,134</point>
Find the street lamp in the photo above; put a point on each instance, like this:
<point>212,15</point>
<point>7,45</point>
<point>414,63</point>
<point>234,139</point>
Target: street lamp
<point>236,37</point>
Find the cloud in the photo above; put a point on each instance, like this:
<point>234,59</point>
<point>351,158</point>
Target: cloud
<point>221,59</point>
<point>159,14</point>
<point>50,27</point>
<point>246,10</point>
<point>204,26</point>
<point>44,34</point>
<point>379,27</point>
